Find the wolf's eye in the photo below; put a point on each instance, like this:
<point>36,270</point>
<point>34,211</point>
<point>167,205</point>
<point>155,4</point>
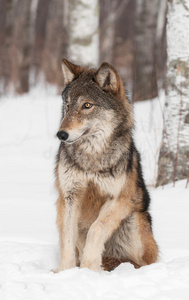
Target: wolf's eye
<point>67,106</point>
<point>87,105</point>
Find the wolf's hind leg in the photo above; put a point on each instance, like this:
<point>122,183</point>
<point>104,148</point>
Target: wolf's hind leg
<point>132,242</point>
<point>144,250</point>
<point>150,253</point>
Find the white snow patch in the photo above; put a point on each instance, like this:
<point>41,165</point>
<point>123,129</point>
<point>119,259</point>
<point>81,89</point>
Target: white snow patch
<point>148,133</point>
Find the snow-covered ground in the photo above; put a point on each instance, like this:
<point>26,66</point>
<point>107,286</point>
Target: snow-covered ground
<point>28,235</point>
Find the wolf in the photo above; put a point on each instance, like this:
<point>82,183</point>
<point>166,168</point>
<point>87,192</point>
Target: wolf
<point>103,202</point>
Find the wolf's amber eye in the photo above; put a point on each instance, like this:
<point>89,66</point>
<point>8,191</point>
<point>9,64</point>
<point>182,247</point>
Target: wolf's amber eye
<point>87,105</point>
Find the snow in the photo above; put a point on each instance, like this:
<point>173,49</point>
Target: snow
<point>148,132</point>
<point>28,235</point>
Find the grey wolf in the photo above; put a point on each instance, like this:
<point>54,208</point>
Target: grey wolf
<point>102,208</point>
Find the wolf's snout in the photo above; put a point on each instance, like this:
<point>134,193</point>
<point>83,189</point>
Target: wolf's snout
<point>62,135</point>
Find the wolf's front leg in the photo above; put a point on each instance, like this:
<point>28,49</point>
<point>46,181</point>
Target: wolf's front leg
<point>69,235</point>
<point>100,231</point>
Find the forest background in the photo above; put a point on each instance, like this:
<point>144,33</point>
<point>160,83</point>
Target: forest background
<point>35,36</point>
<point>146,41</point>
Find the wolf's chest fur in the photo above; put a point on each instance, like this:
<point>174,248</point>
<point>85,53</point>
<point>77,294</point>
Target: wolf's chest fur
<point>79,181</point>
<point>92,189</point>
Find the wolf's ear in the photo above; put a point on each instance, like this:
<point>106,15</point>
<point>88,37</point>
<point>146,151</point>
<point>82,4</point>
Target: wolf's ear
<point>107,78</point>
<point>70,71</point>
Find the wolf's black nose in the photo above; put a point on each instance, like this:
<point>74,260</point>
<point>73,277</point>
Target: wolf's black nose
<point>62,135</point>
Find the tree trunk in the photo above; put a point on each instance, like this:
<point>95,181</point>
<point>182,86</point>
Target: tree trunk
<point>84,32</point>
<point>40,31</point>
<point>2,41</point>
<point>2,20</point>
<point>7,26</point>
<point>161,45</point>
<point>21,47</point>
<point>110,13</point>
<point>55,45</point>
<point>145,80</point>
<point>174,154</point>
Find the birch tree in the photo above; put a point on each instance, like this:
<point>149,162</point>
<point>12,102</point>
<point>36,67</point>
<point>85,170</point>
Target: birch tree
<point>174,154</point>
<point>83,27</point>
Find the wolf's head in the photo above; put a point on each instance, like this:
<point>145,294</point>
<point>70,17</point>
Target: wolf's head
<point>94,103</point>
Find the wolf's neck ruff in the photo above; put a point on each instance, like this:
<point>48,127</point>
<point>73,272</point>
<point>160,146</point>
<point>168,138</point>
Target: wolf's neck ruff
<point>94,155</point>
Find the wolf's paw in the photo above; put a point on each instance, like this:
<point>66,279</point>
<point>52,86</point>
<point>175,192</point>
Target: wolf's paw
<point>66,265</point>
<point>54,271</point>
<point>92,265</point>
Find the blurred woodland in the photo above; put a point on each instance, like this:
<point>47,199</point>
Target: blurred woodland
<point>147,41</point>
<point>34,37</point>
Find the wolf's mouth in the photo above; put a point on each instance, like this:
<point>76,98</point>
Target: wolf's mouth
<point>73,141</point>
